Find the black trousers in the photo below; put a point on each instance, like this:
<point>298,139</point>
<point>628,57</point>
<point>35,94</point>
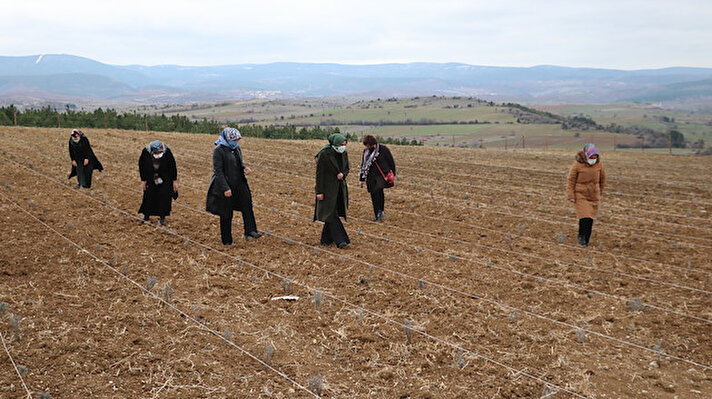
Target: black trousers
<point>334,232</point>
<point>585,227</point>
<point>378,199</point>
<point>248,221</point>
<point>84,174</point>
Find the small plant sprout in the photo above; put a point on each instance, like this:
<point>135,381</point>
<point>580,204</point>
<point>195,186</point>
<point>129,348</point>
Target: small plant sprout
<point>370,270</point>
<point>315,384</point>
<point>150,282</point>
<point>167,292</point>
<point>452,257</point>
<point>3,308</point>
<point>255,279</point>
<point>540,280</point>
<point>287,286</point>
<point>658,348</point>
<point>196,311</point>
<point>581,335</point>
<point>227,334</point>
<point>460,359</point>
<point>43,395</point>
<point>421,284</point>
<point>688,213</point>
<point>267,355</point>
<point>548,392</point>
<point>186,242</point>
<point>600,245</point>
<point>409,331</point>
<point>636,304</point>
<point>15,326</point>
<point>412,207</point>
<point>316,252</point>
<point>318,300</point>
<point>689,264</point>
<point>268,232</point>
<point>69,226</point>
<point>514,316</point>
<point>22,369</point>
<point>561,237</point>
<point>508,240</point>
<point>360,317</point>
<point>288,240</point>
<point>490,264</point>
<point>521,228</point>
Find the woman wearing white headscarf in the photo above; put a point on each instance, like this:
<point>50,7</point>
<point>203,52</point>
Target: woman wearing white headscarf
<point>228,189</point>
<point>83,159</point>
<point>159,176</point>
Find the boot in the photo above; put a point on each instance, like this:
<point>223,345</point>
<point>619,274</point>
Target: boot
<point>379,217</point>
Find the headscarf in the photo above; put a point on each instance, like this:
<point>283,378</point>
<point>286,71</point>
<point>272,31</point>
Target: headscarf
<point>335,140</point>
<point>589,150</point>
<point>76,133</point>
<point>156,146</point>
<point>228,136</point>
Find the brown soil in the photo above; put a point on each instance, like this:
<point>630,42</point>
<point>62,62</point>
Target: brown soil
<point>468,256</point>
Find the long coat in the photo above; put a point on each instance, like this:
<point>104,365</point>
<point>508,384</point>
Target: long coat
<point>585,185</point>
<point>374,180</point>
<point>330,163</point>
<point>157,199</point>
<point>79,152</point>
<point>228,174</point>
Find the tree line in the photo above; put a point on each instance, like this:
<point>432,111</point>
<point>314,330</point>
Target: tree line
<point>112,119</point>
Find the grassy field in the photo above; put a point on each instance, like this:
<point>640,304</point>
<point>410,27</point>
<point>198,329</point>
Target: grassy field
<point>454,121</point>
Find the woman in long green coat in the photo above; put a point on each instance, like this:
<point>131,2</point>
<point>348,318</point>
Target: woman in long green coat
<point>332,195</point>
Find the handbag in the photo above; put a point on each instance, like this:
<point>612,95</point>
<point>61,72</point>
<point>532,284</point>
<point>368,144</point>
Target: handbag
<point>390,178</point>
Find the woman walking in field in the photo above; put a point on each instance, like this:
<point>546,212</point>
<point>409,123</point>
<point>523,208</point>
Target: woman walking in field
<point>83,159</point>
<point>228,189</point>
<point>159,176</point>
<point>332,196</point>
<point>378,170</point>
<point>585,184</point>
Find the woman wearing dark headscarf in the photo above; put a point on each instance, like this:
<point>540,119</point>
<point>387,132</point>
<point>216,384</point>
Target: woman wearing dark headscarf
<point>159,176</point>
<point>83,159</point>
<point>332,196</point>
<point>377,162</point>
<point>228,189</point>
<point>584,188</point>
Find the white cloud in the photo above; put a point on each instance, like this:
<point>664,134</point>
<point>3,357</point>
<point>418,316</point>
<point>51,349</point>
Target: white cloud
<point>602,33</point>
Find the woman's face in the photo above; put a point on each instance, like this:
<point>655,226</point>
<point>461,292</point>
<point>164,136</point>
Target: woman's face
<point>344,143</point>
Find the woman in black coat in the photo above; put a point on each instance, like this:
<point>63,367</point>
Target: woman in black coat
<point>332,195</point>
<point>159,176</point>
<point>377,162</point>
<point>228,189</point>
<point>83,159</point>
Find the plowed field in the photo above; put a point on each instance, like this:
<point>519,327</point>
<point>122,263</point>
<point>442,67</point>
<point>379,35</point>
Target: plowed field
<point>473,287</point>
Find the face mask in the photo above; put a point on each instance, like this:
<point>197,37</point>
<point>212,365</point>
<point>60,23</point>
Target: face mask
<point>232,144</point>
<point>592,161</point>
<point>76,139</point>
<point>158,156</point>
<point>340,149</point>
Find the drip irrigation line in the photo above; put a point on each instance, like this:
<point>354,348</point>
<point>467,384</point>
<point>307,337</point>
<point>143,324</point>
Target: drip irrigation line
<point>457,291</point>
<point>14,365</point>
<point>495,266</point>
<point>158,298</point>
<point>280,276</point>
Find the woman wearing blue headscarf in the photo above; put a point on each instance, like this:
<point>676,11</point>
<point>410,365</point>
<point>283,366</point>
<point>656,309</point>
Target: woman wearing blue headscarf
<point>228,189</point>
<point>159,176</point>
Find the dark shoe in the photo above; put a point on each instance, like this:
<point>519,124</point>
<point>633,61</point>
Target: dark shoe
<point>341,245</point>
<point>379,217</point>
<point>144,220</point>
<point>162,221</point>
<point>227,243</point>
<point>581,240</point>
<point>325,244</point>
<point>252,234</point>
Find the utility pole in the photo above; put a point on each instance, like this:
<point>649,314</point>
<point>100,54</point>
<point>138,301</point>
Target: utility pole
<point>106,121</point>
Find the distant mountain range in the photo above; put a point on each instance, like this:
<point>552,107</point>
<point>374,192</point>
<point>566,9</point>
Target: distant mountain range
<point>47,79</point>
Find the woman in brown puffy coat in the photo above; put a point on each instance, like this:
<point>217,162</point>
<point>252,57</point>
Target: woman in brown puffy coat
<point>584,188</point>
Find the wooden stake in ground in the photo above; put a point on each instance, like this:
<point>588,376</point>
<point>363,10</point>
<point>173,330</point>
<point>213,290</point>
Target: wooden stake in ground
<point>106,121</point>
<point>59,122</point>
<point>522,142</point>
<point>145,119</point>
<point>670,142</point>
<point>14,117</point>
<point>642,145</point>
<point>505,143</point>
<point>614,143</point>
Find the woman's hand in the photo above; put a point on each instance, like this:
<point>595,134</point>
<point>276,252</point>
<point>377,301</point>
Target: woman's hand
<point>320,197</point>
<point>86,162</point>
<point>74,163</point>
<point>247,170</point>
<point>340,176</point>
<point>360,184</point>
<point>175,186</point>
<point>228,193</point>
<point>143,185</point>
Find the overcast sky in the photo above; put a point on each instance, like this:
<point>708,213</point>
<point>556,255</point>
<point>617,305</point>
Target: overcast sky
<point>594,33</point>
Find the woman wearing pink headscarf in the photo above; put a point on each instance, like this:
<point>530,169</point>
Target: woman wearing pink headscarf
<point>584,188</point>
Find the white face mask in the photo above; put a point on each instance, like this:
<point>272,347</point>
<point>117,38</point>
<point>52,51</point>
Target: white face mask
<point>76,139</point>
<point>592,161</point>
<point>340,149</point>
<point>158,156</point>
